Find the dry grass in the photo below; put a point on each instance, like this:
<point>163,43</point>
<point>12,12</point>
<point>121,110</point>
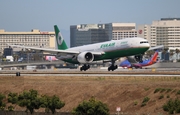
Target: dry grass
<point>114,91</point>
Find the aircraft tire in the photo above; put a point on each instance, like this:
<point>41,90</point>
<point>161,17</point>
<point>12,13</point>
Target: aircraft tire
<point>109,68</point>
<point>81,69</point>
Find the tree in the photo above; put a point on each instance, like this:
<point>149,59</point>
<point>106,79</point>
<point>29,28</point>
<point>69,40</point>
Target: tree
<point>91,107</point>
<point>30,100</point>
<point>172,106</point>
<point>13,98</point>
<point>10,108</point>
<point>2,104</point>
<point>51,103</point>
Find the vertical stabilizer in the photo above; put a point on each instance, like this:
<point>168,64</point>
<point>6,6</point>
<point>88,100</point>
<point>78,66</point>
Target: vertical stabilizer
<point>154,58</point>
<point>61,44</point>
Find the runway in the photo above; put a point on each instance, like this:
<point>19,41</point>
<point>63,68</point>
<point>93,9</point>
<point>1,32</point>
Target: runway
<point>93,75</point>
<point>166,72</point>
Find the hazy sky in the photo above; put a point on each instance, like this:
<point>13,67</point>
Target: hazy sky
<point>24,15</point>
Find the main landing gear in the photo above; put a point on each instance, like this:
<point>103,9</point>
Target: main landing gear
<point>112,67</point>
<point>85,67</point>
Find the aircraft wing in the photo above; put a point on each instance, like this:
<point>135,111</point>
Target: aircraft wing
<point>156,47</point>
<point>54,51</point>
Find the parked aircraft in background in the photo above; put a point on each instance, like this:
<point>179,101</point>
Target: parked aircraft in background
<point>50,58</point>
<point>145,62</point>
<point>86,54</point>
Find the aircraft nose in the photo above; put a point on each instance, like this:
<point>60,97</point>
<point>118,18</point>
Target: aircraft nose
<point>146,45</point>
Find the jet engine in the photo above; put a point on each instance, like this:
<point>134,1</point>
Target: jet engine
<point>135,59</point>
<point>85,57</point>
<point>138,58</point>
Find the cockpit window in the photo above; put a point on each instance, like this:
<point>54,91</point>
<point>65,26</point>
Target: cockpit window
<point>143,42</point>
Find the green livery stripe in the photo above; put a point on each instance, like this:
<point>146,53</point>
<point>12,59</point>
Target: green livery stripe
<point>115,54</point>
<point>121,53</point>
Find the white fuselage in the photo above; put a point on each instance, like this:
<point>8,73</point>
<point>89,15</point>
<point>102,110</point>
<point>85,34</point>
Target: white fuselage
<point>109,50</point>
<point>119,44</point>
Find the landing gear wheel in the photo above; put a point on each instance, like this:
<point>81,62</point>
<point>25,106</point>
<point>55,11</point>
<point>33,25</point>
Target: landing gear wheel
<point>81,68</point>
<point>85,67</point>
<point>112,67</point>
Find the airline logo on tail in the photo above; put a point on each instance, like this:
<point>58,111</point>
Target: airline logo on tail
<point>154,58</point>
<point>60,40</point>
<point>61,44</point>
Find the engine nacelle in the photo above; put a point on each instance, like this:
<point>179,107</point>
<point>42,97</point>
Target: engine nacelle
<point>85,57</point>
<point>135,58</point>
<point>138,58</point>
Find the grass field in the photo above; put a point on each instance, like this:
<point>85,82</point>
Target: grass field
<point>125,92</point>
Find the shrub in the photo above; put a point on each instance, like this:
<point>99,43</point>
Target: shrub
<point>146,99</point>
<point>143,104</point>
<point>135,102</point>
<point>178,92</point>
<point>157,90</point>
<point>91,107</point>
<point>147,88</point>
<point>162,90</point>
<point>174,91</point>
<point>13,98</point>
<point>2,104</point>
<point>168,90</point>
<point>162,96</point>
<point>172,106</point>
<point>10,108</point>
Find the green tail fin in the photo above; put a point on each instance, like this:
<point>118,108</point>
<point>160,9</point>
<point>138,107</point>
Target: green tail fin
<point>61,44</point>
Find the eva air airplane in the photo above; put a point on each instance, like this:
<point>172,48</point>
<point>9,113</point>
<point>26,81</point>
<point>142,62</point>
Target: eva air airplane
<point>110,50</point>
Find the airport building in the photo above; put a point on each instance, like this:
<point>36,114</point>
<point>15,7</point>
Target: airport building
<point>123,30</point>
<point>93,33</point>
<point>87,34</point>
<point>162,32</point>
<point>35,38</point>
